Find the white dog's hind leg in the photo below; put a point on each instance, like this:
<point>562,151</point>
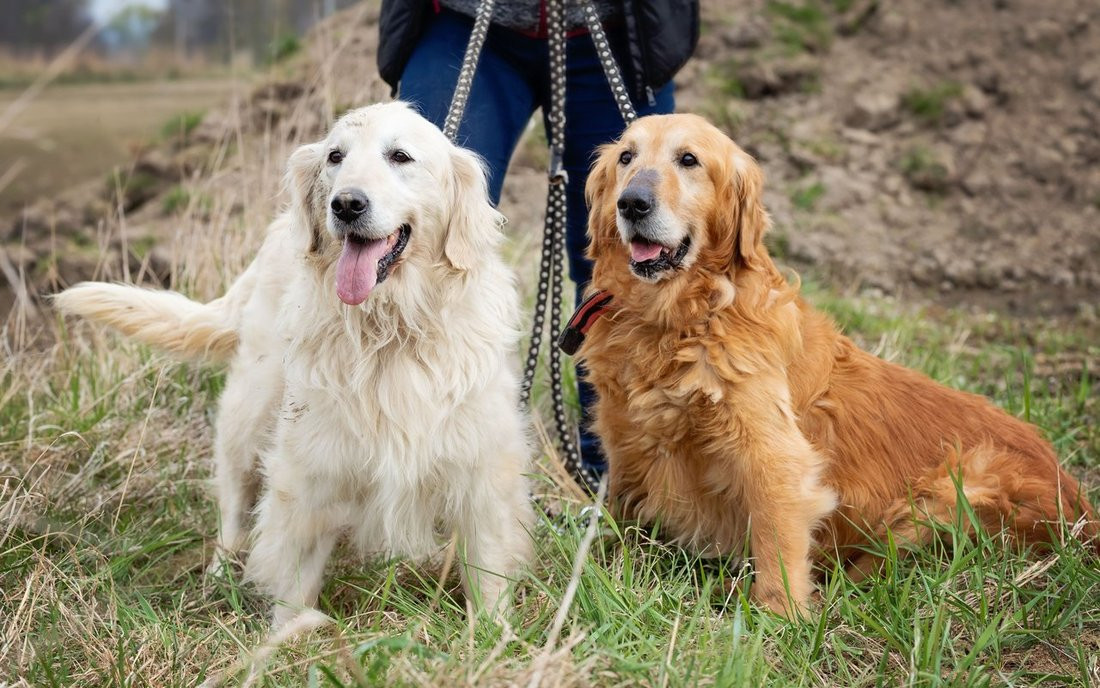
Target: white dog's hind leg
<point>292,544</point>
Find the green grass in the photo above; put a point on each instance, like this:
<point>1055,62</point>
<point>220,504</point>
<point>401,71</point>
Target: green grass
<point>284,47</point>
<point>803,26</point>
<point>104,454</point>
<point>175,200</point>
<point>924,169</point>
<point>929,104</point>
<point>179,126</point>
<point>806,198</point>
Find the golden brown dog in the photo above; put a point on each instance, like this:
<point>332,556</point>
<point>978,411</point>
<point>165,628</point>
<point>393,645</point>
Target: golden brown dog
<point>726,402</point>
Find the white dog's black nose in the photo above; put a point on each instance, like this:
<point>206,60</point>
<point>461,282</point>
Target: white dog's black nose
<point>349,204</point>
<point>636,201</point>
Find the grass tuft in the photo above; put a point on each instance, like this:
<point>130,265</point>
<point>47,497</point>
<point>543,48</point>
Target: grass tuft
<point>930,104</point>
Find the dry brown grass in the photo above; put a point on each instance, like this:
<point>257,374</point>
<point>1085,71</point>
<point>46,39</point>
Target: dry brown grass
<point>105,521</point>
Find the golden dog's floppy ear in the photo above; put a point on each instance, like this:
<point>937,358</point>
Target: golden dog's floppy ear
<point>742,215</point>
<point>474,227</point>
<point>303,172</point>
<point>601,209</point>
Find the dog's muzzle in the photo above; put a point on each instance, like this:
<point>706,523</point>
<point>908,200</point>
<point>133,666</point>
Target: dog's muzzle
<point>650,255</point>
<point>348,205</point>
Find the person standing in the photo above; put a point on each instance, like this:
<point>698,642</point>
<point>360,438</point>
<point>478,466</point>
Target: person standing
<point>420,51</point>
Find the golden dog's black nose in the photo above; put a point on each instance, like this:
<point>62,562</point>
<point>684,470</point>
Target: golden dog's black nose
<point>636,201</point>
<point>349,204</point>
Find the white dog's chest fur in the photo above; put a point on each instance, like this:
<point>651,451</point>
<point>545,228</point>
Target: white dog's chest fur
<point>376,429</point>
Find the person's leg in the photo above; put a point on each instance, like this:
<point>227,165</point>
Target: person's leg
<point>501,100</point>
<point>591,119</point>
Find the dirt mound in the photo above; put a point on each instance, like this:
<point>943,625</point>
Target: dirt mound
<point>943,149</point>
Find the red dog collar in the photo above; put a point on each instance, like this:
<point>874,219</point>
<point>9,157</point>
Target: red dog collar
<point>586,314</point>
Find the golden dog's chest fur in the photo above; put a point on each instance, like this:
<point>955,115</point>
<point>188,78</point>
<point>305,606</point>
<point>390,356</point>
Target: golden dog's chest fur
<point>730,408</point>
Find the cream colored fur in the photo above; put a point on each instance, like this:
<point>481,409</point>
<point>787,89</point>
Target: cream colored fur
<point>395,422</point>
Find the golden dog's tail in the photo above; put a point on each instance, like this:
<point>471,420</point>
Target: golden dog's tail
<point>164,319</point>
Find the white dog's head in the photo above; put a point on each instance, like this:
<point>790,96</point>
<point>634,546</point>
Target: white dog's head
<point>386,187</point>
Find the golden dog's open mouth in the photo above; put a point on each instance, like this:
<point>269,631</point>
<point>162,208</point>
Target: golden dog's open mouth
<point>649,258</point>
<point>366,263</point>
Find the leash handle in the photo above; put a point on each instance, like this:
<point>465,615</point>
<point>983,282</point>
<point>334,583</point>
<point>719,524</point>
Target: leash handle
<point>466,74</point>
<point>607,61</point>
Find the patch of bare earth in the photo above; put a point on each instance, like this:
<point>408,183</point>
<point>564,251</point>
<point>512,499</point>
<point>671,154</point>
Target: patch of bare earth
<point>944,150</point>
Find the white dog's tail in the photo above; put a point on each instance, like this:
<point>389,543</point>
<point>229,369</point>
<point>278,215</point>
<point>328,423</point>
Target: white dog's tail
<point>163,319</point>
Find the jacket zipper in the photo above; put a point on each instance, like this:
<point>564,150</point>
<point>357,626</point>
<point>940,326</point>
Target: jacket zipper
<point>634,47</point>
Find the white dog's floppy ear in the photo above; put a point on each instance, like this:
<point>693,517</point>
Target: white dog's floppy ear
<point>303,172</point>
<point>474,227</point>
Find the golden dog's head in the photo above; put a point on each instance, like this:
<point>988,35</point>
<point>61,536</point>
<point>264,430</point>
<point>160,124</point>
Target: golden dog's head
<point>386,188</point>
<point>672,198</point>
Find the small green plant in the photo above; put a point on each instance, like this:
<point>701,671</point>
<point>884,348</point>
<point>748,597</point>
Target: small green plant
<point>925,170</point>
<point>827,148</point>
<point>283,47</point>
<point>175,200</point>
<point>141,246</point>
<point>724,78</point>
<point>778,243</point>
<point>801,26</point>
<point>807,197</point>
<point>929,104</point>
<point>180,126</point>
<point>138,183</point>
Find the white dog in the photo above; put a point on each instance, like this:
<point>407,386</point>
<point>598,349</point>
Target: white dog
<point>371,368</point>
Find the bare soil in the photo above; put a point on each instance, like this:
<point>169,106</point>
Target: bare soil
<point>944,151</point>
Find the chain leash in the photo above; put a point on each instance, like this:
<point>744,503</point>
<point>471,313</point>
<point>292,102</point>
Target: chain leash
<point>552,257</point>
<point>466,73</point>
<point>607,61</point>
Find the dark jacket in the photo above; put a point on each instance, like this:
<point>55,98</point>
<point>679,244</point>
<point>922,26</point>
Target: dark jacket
<point>661,36</point>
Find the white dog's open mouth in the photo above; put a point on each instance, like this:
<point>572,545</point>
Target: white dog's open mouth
<point>365,263</point>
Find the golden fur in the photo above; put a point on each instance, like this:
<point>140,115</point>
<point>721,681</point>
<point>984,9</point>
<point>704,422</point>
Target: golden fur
<point>725,400</point>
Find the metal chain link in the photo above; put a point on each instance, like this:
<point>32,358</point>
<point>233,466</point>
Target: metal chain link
<point>552,258</point>
<point>552,261</point>
<point>466,73</point>
<point>607,61</point>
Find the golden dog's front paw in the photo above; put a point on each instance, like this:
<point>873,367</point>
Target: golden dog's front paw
<point>777,599</point>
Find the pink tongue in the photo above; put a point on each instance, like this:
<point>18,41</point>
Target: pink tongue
<point>357,270</point>
<point>641,251</point>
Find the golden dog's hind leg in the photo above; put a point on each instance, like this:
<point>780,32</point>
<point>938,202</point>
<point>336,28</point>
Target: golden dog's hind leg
<point>1030,497</point>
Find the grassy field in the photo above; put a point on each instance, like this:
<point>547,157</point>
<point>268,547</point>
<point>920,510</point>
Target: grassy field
<point>106,522</point>
<point>106,526</point>
<point>74,132</point>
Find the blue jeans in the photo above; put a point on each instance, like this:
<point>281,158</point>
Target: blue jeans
<point>511,81</point>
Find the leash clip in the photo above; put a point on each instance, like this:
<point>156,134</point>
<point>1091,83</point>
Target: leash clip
<point>557,173</point>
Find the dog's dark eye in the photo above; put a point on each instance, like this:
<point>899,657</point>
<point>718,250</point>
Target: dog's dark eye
<point>335,157</point>
<point>625,157</point>
<point>688,160</point>
<point>400,157</point>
